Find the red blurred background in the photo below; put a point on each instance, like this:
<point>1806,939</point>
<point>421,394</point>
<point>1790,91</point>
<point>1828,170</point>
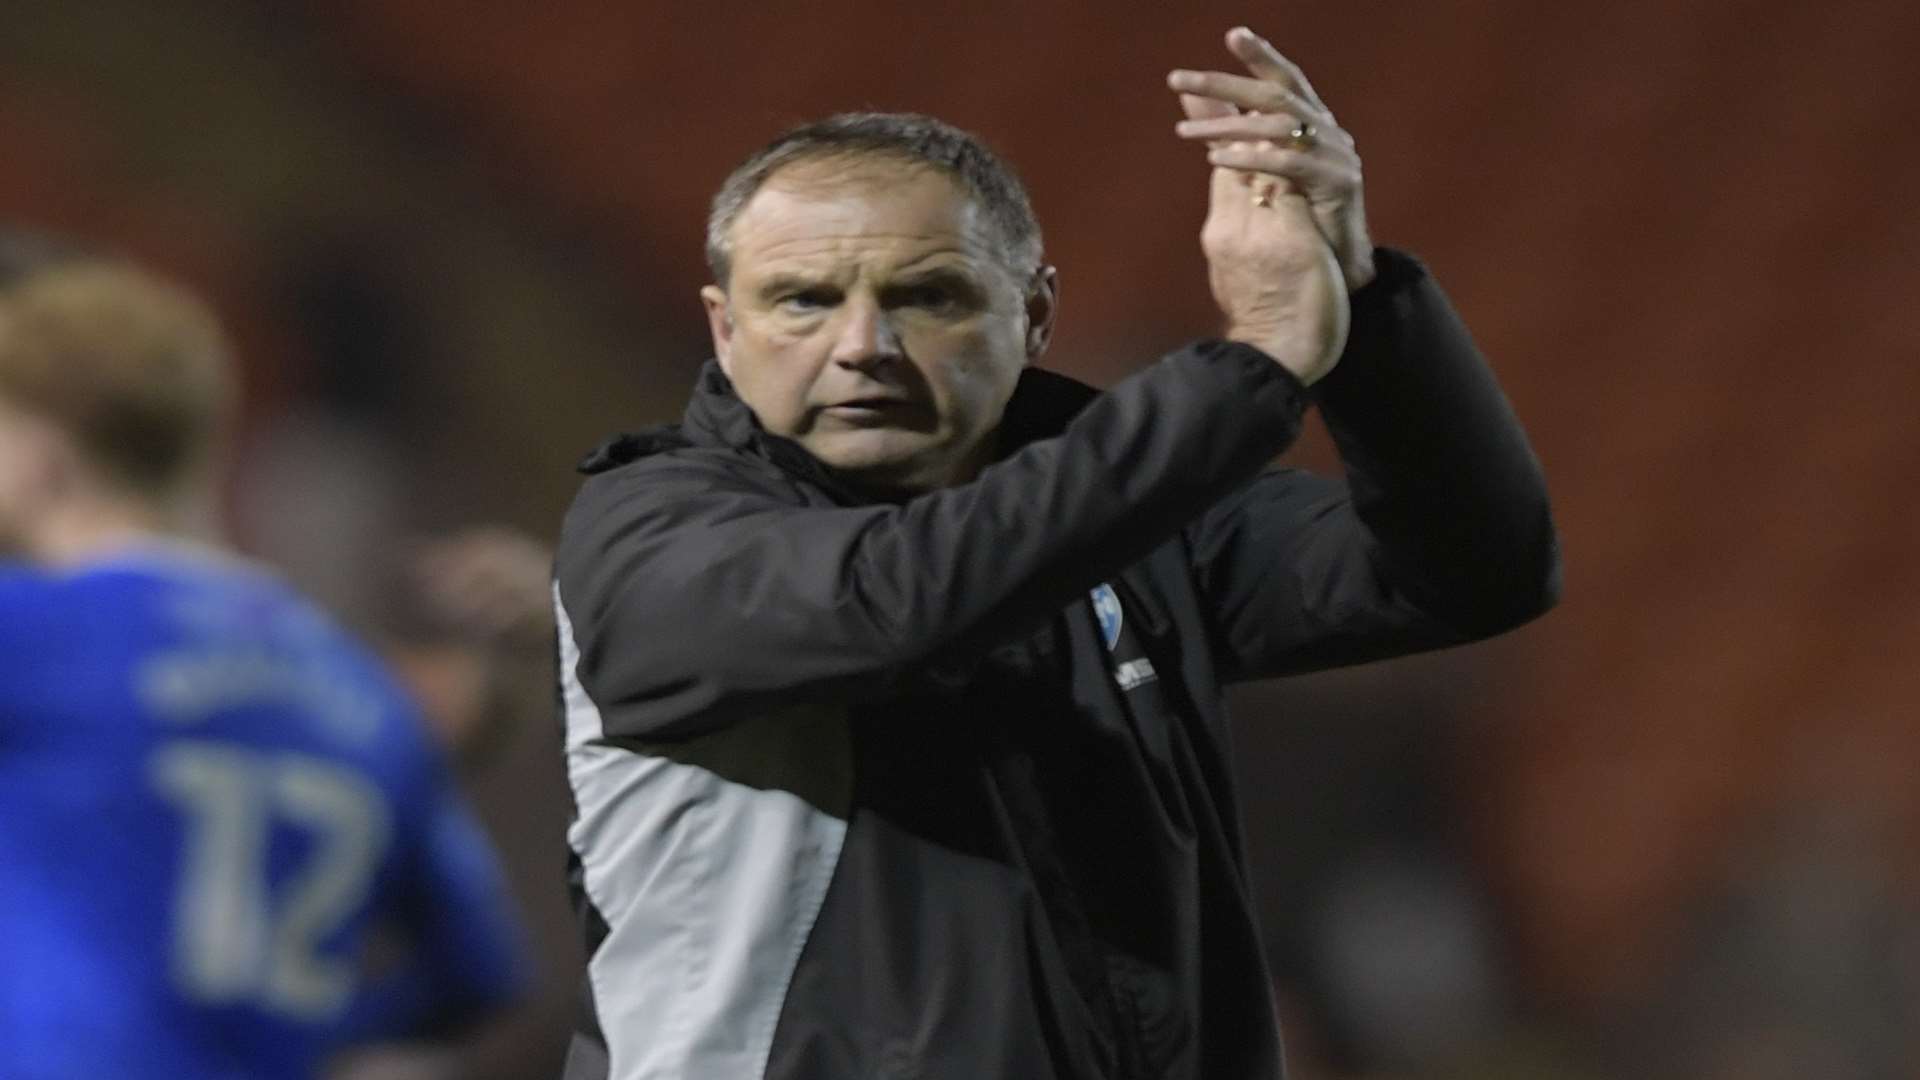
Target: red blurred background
<point>1669,830</point>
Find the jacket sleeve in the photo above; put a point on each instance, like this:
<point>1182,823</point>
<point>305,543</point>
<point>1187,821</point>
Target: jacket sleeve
<point>1440,534</point>
<point>693,593</point>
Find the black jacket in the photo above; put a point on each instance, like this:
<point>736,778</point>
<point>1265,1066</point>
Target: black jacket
<point>942,789</point>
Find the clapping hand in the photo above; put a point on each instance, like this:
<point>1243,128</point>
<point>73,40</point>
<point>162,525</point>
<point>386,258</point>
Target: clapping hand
<point>1285,235</point>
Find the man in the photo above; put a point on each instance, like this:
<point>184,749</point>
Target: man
<point>212,802</point>
<point>892,675</point>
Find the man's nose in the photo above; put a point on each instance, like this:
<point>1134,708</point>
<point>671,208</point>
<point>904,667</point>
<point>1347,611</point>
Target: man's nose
<point>866,337</point>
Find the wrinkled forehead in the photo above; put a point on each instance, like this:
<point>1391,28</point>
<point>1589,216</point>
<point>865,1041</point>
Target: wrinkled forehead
<point>869,210</point>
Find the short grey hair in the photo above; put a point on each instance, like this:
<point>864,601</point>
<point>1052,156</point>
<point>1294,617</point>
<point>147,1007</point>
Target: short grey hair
<point>910,138</point>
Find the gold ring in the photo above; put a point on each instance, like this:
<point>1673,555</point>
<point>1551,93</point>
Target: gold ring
<point>1304,137</point>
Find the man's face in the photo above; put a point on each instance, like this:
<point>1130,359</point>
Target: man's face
<point>871,318</point>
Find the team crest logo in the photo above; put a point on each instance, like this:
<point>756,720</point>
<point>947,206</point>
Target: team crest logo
<point>1106,608</point>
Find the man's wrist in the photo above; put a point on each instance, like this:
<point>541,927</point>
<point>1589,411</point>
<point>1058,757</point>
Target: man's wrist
<point>1358,265</point>
<point>1361,271</point>
<point>1393,271</point>
<point>1290,349</point>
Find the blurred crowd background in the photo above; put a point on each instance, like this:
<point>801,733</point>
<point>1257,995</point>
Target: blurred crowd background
<point>1669,831</point>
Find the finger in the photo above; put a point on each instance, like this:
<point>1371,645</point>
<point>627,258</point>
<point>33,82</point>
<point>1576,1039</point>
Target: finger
<point>1272,157</point>
<point>1285,100</point>
<point>1255,127</point>
<point>1257,95</point>
<point>1239,198</point>
<point>1201,108</point>
<point>1321,173</point>
<point>1266,62</point>
<point>1228,192</point>
<point>1205,108</point>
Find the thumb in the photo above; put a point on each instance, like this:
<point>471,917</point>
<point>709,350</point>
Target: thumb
<point>1229,191</point>
<point>1228,185</point>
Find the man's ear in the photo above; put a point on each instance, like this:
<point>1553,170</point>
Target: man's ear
<point>720,325</point>
<point>43,464</point>
<point>1043,304</point>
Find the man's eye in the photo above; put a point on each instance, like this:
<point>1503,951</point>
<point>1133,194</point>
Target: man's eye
<point>930,298</point>
<point>807,300</point>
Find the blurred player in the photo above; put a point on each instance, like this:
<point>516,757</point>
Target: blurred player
<point>469,629</point>
<point>211,800</point>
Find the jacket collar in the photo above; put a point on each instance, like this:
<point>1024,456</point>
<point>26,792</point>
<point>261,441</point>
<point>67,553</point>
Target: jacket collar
<point>1042,405</point>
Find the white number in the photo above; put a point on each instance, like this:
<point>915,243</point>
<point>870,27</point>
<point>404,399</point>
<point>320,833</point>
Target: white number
<point>232,940</point>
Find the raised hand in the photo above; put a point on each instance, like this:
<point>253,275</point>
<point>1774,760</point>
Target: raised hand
<point>1271,267</point>
<point>1272,124</point>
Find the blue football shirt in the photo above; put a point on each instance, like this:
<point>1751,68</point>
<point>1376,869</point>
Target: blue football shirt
<point>212,802</point>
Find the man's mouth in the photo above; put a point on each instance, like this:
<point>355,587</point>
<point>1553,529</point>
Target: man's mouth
<point>873,408</point>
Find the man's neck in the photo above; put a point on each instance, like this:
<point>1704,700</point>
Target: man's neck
<point>87,530</point>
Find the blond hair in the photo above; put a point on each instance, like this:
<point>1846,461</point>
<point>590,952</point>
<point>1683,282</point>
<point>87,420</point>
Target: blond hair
<point>135,370</point>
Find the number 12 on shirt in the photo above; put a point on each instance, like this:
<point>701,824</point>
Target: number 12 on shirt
<point>234,940</point>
